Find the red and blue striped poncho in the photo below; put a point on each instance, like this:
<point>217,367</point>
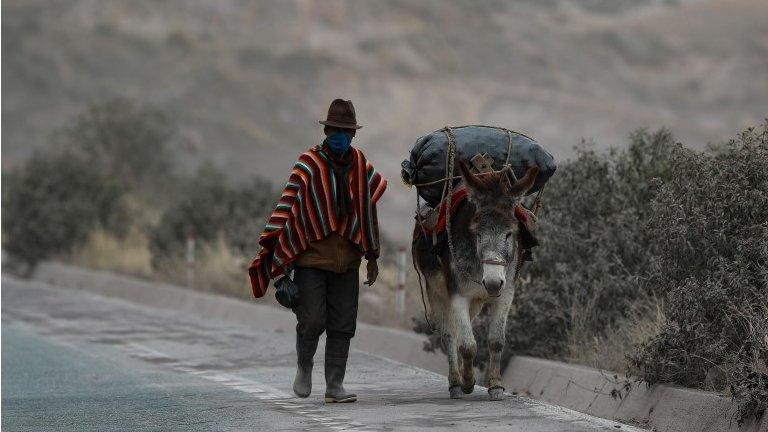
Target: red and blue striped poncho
<point>307,212</point>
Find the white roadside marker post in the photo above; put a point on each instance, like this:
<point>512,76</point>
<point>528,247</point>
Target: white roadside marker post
<point>191,258</point>
<point>400,289</point>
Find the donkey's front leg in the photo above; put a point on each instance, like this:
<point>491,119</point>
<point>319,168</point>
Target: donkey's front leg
<point>465,340</point>
<point>451,350</point>
<point>496,339</point>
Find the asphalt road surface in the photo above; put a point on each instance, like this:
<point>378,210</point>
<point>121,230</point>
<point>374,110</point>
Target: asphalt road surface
<point>73,361</point>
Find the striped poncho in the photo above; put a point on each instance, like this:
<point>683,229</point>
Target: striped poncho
<point>307,212</point>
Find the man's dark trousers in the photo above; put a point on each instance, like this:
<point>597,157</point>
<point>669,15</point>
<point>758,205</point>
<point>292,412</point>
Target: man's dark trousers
<point>328,303</point>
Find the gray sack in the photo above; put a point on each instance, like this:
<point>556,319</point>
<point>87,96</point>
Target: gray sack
<point>427,161</point>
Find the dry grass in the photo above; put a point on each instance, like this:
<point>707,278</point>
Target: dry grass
<point>377,302</point>
<point>644,320</point>
<point>128,255</point>
<point>219,270</point>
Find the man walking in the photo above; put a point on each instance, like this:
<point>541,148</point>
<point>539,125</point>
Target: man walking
<point>323,224</point>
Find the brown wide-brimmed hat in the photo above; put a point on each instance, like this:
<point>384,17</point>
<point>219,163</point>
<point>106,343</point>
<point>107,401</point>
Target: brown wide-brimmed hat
<point>341,114</point>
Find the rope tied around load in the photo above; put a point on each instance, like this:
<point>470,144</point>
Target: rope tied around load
<point>452,142</point>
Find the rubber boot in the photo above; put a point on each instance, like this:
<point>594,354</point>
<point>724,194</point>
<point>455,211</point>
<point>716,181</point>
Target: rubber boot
<point>305,352</point>
<point>336,353</point>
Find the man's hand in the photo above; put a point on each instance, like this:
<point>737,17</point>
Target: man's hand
<point>373,271</point>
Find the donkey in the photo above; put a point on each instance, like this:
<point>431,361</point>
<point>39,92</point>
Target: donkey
<point>482,271</point>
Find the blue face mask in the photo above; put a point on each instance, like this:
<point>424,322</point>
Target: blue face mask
<point>339,142</point>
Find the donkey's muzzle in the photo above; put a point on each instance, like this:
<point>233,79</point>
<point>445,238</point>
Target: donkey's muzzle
<point>494,273</point>
<point>493,286</point>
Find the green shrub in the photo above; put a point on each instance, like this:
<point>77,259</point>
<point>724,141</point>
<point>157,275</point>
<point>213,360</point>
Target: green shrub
<point>52,203</point>
<point>210,207</point>
<point>595,249</point>
<point>131,142</point>
<point>711,264</point>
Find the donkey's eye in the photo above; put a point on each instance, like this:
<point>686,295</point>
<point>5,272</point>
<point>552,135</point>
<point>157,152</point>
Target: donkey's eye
<point>509,235</point>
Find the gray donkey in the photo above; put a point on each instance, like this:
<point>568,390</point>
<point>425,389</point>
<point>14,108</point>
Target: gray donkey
<point>484,234</point>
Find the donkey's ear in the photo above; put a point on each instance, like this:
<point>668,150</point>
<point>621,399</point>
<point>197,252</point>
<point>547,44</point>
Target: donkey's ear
<point>521,186</point>
<point>471,180</point>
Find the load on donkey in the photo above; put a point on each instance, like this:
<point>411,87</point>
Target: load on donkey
<point>471,239</point>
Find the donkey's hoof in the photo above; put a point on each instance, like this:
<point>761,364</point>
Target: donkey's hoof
<point>455,392</point>
<point>469,387</point>
<point>496,393</point>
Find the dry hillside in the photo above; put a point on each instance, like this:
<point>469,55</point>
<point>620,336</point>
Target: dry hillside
<point>248,80</point>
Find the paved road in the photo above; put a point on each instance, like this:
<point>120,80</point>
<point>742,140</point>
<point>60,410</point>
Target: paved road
<point>73,361</point>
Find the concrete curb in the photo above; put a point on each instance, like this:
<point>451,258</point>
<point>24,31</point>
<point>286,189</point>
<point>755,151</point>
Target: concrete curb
<point>602,394</point>
<point>590,391</point>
